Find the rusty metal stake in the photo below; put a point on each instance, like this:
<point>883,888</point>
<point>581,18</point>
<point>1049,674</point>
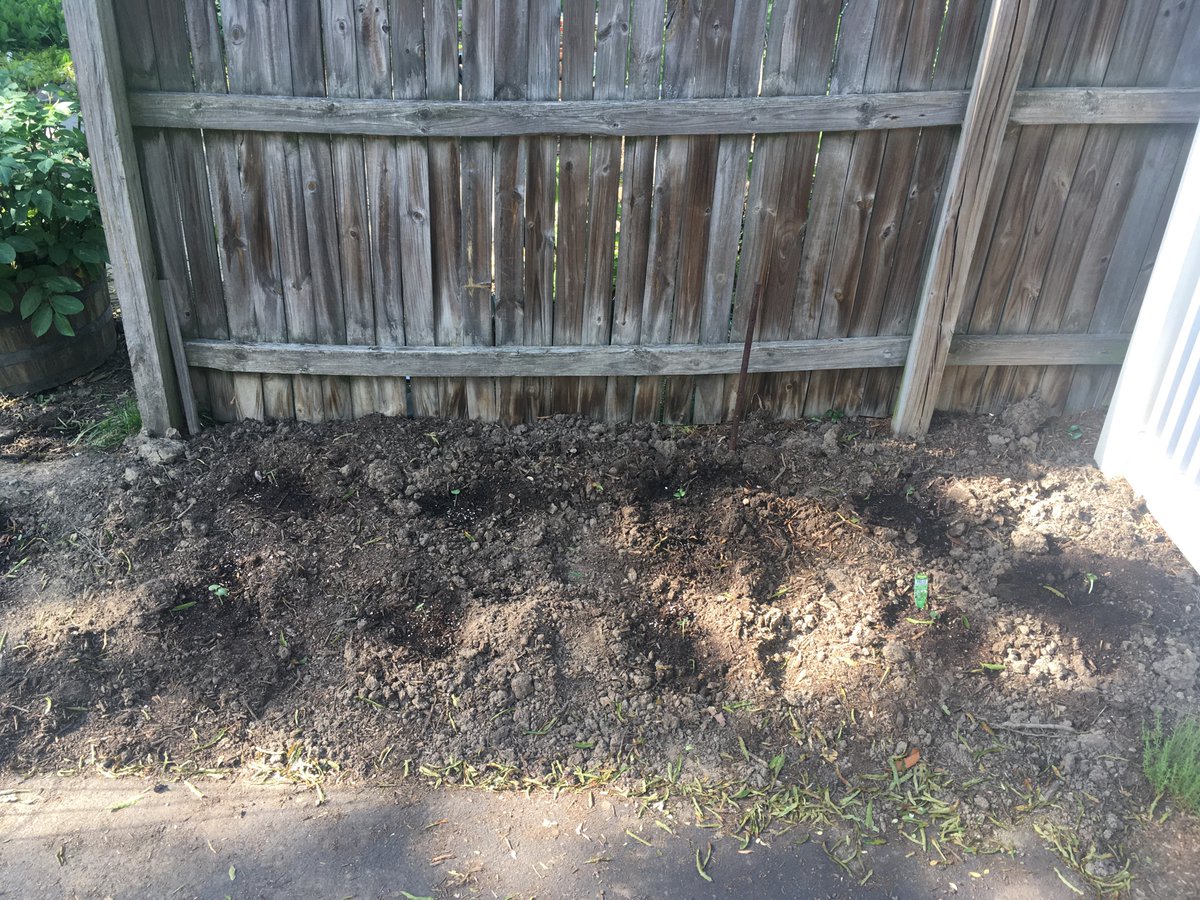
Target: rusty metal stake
<point>739,406</point>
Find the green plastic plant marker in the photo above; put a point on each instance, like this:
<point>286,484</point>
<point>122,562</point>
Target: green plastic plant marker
<point>921,590</point>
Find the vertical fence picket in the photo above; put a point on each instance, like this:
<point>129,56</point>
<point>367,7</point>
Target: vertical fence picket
<point>1175,60</point>
<point>832,166</point>
<point>374,56</point>
<point>637,184</point>
<point>1088,186</point>
<point>900,278</point>
<point>478,83</point>
<point>545,41</point>
<point>510,166</point>
<point>799,57</point>
<point>858,159</point>
<point>682,47</point>
<point>612,48</point>
<point>445,196</point>
<point>742,76</point>
<point>1051,154</point>
<point>412,185</point>
<point>207,303</point>
<point>139,57</point>
<point>323,321</point>
<point>1025,293</point>
<point>884,192</point>
<point>1029,157</point>
<point>339,31</point>
<point>570,267</point>
<point>251,40</point>
<point>715,33</point>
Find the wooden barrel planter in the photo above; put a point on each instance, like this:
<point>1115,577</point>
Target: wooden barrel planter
<point>29,365</point>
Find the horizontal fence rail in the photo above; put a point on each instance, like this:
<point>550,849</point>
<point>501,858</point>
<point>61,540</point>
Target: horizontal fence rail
<point>650,118</point>
<point>505,209</point>
<point>646,359</point>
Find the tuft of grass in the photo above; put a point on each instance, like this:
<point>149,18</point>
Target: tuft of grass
<point>108,432</point>
<point>1172,761</point>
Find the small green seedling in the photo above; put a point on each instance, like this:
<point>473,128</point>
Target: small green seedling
<point>218,591</point>
<point>921,590</point>
<point>1091,578</point>
<point>680,493</point>
<point>454,492</point>
<point>1074,432</point>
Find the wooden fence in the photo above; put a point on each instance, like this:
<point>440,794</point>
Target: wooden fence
<point>511,208</point>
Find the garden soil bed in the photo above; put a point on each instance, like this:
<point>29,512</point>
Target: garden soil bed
<point>635,606</point>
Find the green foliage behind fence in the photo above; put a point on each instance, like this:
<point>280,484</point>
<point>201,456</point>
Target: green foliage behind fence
<point>31,25</point>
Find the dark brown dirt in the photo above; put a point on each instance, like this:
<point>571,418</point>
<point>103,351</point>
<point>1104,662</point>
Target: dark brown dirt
<point>398,593</point>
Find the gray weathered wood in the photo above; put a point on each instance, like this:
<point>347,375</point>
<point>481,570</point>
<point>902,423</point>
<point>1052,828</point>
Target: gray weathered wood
<point>680,67</point>
<point>339,30</point>
<point>384,198</point>
<point>178,354</point>
<point>445,194</point>
<point>161,192</point>
<point>637,185</point>
<point>221,164</point>
<point>612,49</point>
<point>324,317</point>
<point>729,193</point>
<point>545,43</point>
<point>1106,105</point>
<point>970,179</point>
<point>170,30</point>
<point>857,66</point>
<point>743,115</point>
<point>94,49</point>
<point>570,266</point>
<point>412,185</point>
<point>801,48</point>
<point>478,83</point>
<point>1037,349</point>
<point>716,30</point>
<point>645,359</point>
<point>510,165</point>
<point>900,279</point>
<point>260,180</point>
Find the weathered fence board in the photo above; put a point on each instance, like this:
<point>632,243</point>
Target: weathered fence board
<point>339,32</point>
<point>637,185</point>
<point>510,166</point>
<point>585,195</point>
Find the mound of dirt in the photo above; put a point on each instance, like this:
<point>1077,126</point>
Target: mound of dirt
<point>399,595</point>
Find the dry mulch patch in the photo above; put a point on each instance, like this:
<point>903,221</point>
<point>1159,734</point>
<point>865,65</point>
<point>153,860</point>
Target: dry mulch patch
<point>573,604</point>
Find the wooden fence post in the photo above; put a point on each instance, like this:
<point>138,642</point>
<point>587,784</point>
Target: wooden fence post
<point>92,30</point>
<point>1009,25</point>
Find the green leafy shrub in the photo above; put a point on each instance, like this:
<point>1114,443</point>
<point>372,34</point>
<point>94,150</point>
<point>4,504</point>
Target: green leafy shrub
<point>31,25</point>
<point>33,70</point>
<point>1172,761</point>
<point>51,239</point>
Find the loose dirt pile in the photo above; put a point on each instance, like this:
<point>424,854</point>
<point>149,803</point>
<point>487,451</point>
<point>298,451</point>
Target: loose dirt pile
<point>582,604</point>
